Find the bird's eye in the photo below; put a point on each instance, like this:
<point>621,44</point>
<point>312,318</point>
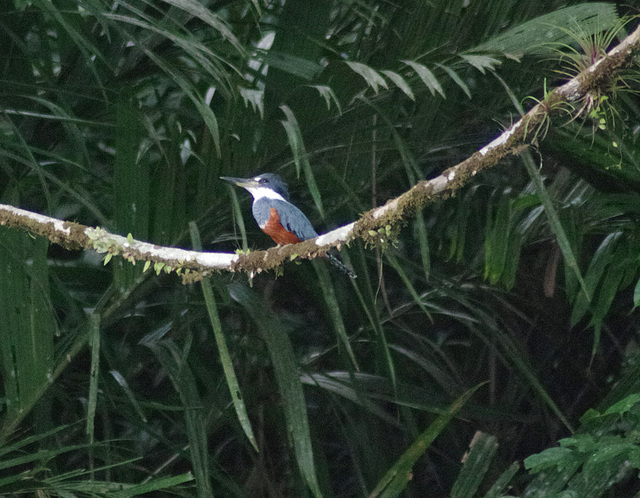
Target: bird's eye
<point>263,181</point>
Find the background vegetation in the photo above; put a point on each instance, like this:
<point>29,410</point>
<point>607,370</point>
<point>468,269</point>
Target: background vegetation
<point>472,328</point>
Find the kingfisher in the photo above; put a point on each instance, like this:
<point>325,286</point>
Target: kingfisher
<point>277,216</point>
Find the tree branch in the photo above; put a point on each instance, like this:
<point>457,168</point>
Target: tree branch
<point>376,226</point>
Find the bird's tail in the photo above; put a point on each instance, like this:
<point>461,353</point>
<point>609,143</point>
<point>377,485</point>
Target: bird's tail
<point>340,266</point>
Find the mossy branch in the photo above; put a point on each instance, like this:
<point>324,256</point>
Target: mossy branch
<point>373,227</point>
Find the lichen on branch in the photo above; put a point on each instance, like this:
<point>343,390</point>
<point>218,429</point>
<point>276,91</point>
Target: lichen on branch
<point>378,226</point>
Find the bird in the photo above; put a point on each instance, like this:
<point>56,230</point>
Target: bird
<point>277,216</point>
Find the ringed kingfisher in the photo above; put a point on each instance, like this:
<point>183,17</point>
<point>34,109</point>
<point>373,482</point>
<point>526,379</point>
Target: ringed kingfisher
<point>276,216</point>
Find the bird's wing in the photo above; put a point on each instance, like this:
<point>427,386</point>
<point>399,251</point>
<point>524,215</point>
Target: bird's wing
<point>292,219</point>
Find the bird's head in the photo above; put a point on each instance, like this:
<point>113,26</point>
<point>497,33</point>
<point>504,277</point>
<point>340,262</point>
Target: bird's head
<point>267,185</point>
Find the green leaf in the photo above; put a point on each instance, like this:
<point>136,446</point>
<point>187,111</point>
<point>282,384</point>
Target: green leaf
<point>476,464</point>
<point>590,414</point>
<point>28,323</point>
<point>369,305</point>
<point>300,156</point>
<point>329,95</point>
<point>552,457</point>
<point>333,307</point>
<point>545,33</point>
<point>92,399</point>
<point>288,377</point>
<point>131,187</point>
<point>609,289</point>
<point>397,477</point>
<point>156,484</point>
<point>411,168</point>
<point>289,63</point>
<point>400,83</point>
<point>252,97</point>
<point>459,235</point>
<point>20,444</point>
<point>211,18</point>
<point>624,405</point>
<point>237,215</point>
<point>636,295</point>
<point>225,357</point>
<point>350,385</point>
<point>604,256</point>
<point>427,77</point>
<point>370,75</point>
<point>554,221</point>
<point>498,239</point>
<point>182,378</point>
<point>481,62</point>
<point>191,92</point>
<point>501,484</point>
<point>424,244</point>
<point>409,286</point>
<point>454,76</point>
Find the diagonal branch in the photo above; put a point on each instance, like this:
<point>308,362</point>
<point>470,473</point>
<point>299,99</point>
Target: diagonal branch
<point>374,226</point>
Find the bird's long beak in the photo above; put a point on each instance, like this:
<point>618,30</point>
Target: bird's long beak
<point>240,182</point>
